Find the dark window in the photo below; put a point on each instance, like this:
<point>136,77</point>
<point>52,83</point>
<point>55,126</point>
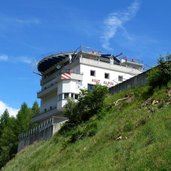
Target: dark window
<point>66,95</point>
<point>45,110</point>
<point>76,96</point>
<point>92,72</point>
<point>90,87</point>
<point>50,107</point>
<point>106,75</point>
<point>120,78</point>
<point>72,95</point>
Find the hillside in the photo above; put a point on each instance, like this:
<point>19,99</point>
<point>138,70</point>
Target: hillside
<point>131,132</point>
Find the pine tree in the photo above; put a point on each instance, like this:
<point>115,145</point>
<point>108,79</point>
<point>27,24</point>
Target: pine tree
<point>24,118</point>
<point>35,109</point>
<point>3,121</point>
<point>8,138</point>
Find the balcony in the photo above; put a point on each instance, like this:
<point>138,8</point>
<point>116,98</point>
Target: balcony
<point>75,76</point>
<point>53,88</point>
<point>47,91</point>
<point>42,116</point>
<point>49,78</point>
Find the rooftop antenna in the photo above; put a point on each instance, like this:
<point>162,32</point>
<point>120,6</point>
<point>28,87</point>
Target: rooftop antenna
<point>75,52</point>
<point>118,54</point>
<point>34,67</point>
<point>37,73</point>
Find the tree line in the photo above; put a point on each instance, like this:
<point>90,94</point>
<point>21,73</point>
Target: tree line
<point>11,127</point>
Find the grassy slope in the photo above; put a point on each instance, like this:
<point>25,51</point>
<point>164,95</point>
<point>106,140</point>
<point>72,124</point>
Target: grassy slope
<point>145,132</point>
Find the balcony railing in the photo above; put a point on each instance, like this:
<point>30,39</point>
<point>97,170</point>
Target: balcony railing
<point>47,91</point>
<point>47,114</point>
<point>53,87</point>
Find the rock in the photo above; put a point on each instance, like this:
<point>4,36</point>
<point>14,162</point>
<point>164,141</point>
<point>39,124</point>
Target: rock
<point>155,102</point>
<point>169,92</point>
<point>128,99</point>
<point>119,138</point>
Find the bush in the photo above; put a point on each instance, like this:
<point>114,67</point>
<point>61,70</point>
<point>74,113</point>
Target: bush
<point>70,110</point>
<point>161,74</point>
<point>88,104</point>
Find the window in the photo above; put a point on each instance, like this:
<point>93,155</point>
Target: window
<point>50,107</point>
<point>66,95</point>
<point>72,95</point>
<point>92,72</point>
<point>76,96</point>
<point>120,78</point>
<point>90,87</point>
<point>45,110</point>
<point>106,75</point>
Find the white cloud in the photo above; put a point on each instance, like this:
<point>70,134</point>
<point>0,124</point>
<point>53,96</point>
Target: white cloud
<point>10,20</point>
<point>20,59</point>
<point>29,61</point>
<point>16,23</point>
<point>27,21</point>
<point>12,111</point>
<point>4,57</point>
<point>116,21</point>
<point>25,59</point>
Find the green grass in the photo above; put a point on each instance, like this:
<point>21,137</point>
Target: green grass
<point>145,143</point>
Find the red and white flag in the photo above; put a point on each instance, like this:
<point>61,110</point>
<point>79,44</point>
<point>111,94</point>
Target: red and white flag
<point>66,76</point>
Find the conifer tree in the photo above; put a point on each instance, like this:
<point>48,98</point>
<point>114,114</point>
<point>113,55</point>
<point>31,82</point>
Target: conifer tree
<point>8,138</point>
<point>35,109</point>
<point>24,118</point>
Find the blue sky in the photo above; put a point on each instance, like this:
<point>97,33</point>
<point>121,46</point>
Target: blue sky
<point>29,30</point>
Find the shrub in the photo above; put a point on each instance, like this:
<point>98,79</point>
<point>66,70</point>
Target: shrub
<point>88,104</point>
<point>70,110</point>
<point>161,74</point>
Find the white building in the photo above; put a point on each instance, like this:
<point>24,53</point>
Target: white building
<point>63,75</point>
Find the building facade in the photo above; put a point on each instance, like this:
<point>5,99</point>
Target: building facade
<point>62,77</point>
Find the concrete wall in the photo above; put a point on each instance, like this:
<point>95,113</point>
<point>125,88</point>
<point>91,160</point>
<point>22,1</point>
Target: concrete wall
<point>48,102</point>
<point>30,138</point>
<point>133,82</point>
<point>41,132</point>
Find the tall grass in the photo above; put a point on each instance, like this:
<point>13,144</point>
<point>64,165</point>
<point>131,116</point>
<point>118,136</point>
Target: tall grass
<point>132,135</point>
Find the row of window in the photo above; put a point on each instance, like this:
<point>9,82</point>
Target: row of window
<point>67,95</point>
<point>106,75</point>
<point>49,109</point>
<point>62,97</point>
<point>50,85</point>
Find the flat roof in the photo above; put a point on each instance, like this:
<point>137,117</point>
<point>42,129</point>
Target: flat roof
<point>61,58</point>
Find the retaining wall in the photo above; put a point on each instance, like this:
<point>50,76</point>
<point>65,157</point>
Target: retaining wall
<point>138,80</point>
<point>38,133</point>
